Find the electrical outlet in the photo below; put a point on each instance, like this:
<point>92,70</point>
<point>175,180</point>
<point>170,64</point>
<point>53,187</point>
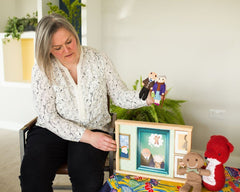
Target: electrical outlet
<point>217,113</point>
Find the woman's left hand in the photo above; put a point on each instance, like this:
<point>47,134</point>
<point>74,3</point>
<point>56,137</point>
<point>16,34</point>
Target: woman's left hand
<point>99,140</point>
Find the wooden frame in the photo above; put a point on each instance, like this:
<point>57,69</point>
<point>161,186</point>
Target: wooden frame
<point>154,149</point>
<point>177,162</point>
<point>181,142</point>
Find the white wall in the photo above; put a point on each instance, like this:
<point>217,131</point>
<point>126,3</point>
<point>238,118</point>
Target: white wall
<point>25,6</point>
<point>196,44</point>
<point>92,23</point>
<point>16,107</point>
<point>17,8</point>
<point>5,13</point>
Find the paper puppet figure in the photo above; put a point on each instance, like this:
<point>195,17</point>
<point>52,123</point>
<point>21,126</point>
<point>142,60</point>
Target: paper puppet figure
<point>159,161</point>
<point>124,152</point>
<point>147,85</point>
<point>147,158</point>
<point>159,89</point>
<point>185,144</point>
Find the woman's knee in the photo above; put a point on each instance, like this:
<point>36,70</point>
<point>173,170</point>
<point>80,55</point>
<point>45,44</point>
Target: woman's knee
<point>86,167</point>
<point>34,177</point>
<point>43,155</point>
<point>83,158</point>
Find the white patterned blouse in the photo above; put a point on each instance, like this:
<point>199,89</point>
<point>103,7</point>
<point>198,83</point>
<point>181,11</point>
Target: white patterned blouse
<point>67,108</point>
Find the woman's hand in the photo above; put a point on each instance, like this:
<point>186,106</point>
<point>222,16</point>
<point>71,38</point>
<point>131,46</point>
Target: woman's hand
<point>150,99</point>
<point>99,140</point>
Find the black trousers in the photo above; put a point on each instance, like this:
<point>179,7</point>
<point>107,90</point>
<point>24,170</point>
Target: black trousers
<point>45,152</point>
<point>143,93</point>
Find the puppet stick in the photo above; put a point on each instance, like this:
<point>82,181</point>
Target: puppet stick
<point>162,101</point>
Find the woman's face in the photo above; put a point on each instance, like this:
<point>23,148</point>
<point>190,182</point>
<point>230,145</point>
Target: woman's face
<point>64,47</point>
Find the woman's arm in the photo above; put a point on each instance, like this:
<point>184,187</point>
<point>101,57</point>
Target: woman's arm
<point>119,92</point>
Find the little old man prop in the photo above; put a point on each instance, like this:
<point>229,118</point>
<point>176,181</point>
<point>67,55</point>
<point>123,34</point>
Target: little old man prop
<point>147,85</point>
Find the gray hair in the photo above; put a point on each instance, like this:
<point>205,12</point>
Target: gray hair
<point>46,28</point>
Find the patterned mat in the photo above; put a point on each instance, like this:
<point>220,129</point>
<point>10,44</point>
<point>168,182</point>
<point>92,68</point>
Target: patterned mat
<point>127,183</point>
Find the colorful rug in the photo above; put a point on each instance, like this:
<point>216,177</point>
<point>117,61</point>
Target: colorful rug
<point>127,183</point>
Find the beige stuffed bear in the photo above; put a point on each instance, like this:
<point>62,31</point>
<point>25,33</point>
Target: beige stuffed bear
<point>192,167</point>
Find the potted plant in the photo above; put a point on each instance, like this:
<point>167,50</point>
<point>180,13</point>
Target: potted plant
<point>73,14</point>
<point>169,113</point>
<point>16,26</point>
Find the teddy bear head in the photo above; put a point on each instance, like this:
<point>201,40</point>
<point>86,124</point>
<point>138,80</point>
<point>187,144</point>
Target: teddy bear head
<point>219,148</point>
<point>193,160</point>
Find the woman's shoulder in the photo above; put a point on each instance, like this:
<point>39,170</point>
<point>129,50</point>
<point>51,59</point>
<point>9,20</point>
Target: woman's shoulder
<point>86,50</point>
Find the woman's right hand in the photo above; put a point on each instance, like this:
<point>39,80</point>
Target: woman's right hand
<point>150,99</point>
<point>99,140</point>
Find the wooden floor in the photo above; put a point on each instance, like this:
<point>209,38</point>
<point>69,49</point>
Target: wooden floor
<point>10,163</point>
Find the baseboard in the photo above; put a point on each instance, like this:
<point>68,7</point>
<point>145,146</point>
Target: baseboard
<point>11,125</point>
<point>233,161</point>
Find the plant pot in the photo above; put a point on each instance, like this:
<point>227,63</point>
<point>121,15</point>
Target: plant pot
<point>29,28</point>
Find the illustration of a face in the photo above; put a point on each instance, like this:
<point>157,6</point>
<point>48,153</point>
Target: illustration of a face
<point>152,76</point>
<point>124,149</point>
<point>193,160</point>
<point>146,153</point>
<point>158,160</point>
<point>162,79</point>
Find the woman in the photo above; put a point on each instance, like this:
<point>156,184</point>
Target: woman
<point>70,85</point>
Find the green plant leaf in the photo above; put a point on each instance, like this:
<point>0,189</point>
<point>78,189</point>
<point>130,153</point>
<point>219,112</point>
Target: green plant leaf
<point>15,26</point>
<point>72,14</point>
